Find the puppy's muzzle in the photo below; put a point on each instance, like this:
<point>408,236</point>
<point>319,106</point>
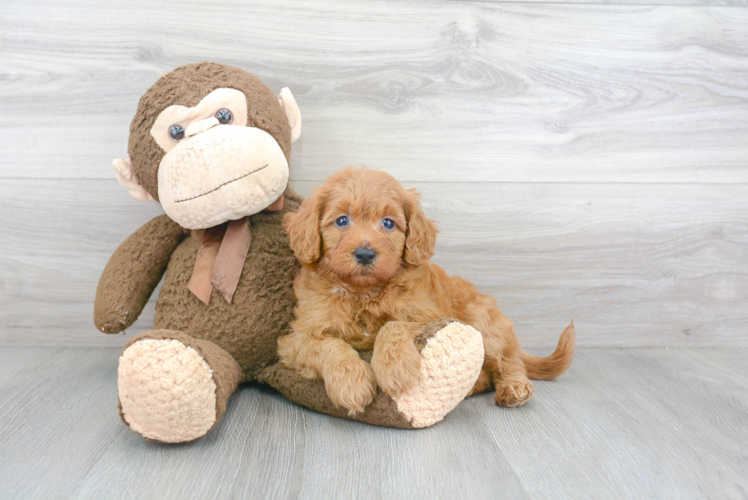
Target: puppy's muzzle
<point>365,256</point>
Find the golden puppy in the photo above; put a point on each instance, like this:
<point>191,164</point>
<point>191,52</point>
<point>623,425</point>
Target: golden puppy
<point>366,283</point>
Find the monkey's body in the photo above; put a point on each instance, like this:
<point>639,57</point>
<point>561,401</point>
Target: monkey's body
<point>262,305</point>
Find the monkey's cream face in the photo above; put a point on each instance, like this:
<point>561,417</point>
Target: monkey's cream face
<point>216,168</point>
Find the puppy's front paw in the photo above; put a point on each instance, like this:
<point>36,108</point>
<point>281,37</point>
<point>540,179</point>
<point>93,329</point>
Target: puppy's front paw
<point>351,385</point>
<point>397,367</point>
<point>514,392</point>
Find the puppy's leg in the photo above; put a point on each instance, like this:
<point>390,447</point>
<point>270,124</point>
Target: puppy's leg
<point>349,380</point>
<point>502,361</point>
<point>396,360</point>
<point>513,388</point>
<point>483,384</point>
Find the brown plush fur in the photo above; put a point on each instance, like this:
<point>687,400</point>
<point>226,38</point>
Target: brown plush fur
<point>247,328</point>
<point>344,305</point>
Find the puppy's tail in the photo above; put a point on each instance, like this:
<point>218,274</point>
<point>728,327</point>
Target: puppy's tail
<point>555,364</point>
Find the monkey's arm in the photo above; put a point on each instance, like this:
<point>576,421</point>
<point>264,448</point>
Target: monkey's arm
<point>133,272</point>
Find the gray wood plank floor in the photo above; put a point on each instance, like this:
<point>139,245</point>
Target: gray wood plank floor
<point>633,423</point>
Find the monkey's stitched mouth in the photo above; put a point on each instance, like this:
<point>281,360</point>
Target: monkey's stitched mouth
<point>219,187</point>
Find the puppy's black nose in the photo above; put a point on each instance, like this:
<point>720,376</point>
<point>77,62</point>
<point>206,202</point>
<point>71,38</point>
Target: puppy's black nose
<point>365,256</point>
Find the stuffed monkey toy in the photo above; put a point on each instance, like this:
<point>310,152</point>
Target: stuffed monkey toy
<point>211,143</point>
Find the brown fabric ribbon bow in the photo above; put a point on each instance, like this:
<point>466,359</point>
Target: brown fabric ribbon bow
<point>221,257</point>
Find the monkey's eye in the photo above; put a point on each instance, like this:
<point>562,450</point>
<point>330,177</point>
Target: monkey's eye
<point>388,224</point>
<point>224,116</point>
<point>341,221</point>
<point>176,132</point>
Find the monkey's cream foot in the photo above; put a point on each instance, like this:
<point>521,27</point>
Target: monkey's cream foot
<point>514,392</point>
<point>451,360</point>
<point>167,390</point>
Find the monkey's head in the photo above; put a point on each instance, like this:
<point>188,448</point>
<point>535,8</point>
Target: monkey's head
<point>211,143</point>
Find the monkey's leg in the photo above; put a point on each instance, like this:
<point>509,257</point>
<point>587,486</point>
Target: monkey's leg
<point>450,355</point>
<point>427,369</point>
<point>173,388</point>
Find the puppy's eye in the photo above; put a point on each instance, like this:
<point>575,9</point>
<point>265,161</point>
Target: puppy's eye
<point>176,132</point>
<point>224,116</point>
<point>341,221</point>
<point>388,224</point>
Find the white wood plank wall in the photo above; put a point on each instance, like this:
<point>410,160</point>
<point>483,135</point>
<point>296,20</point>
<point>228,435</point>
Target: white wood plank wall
<point>585,160</point>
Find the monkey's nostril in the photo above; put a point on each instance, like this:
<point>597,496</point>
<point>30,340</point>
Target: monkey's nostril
<point>365,256</point>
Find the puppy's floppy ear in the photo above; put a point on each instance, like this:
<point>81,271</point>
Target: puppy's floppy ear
<point>303,228</point>
<point>420,239</point>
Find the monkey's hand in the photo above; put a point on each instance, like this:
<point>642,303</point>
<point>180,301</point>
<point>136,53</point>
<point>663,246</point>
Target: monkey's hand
<point>133,272</point>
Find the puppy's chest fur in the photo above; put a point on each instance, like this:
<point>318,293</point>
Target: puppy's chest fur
<point>328,308</point>
<point>359,316</point>
<point>362,314</point>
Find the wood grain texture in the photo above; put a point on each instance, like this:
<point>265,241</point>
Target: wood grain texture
<point>634,423</point>
<point>649,424</point>
<point>437,91</point>
<point>21,357</point>
<point>633,265</point>
<point>585,161</point>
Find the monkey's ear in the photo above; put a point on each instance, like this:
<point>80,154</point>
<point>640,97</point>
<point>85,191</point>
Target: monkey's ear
<point>420,239</point>
<point>123,168</point>
<point>303,228</point>
<point>288,103</point>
